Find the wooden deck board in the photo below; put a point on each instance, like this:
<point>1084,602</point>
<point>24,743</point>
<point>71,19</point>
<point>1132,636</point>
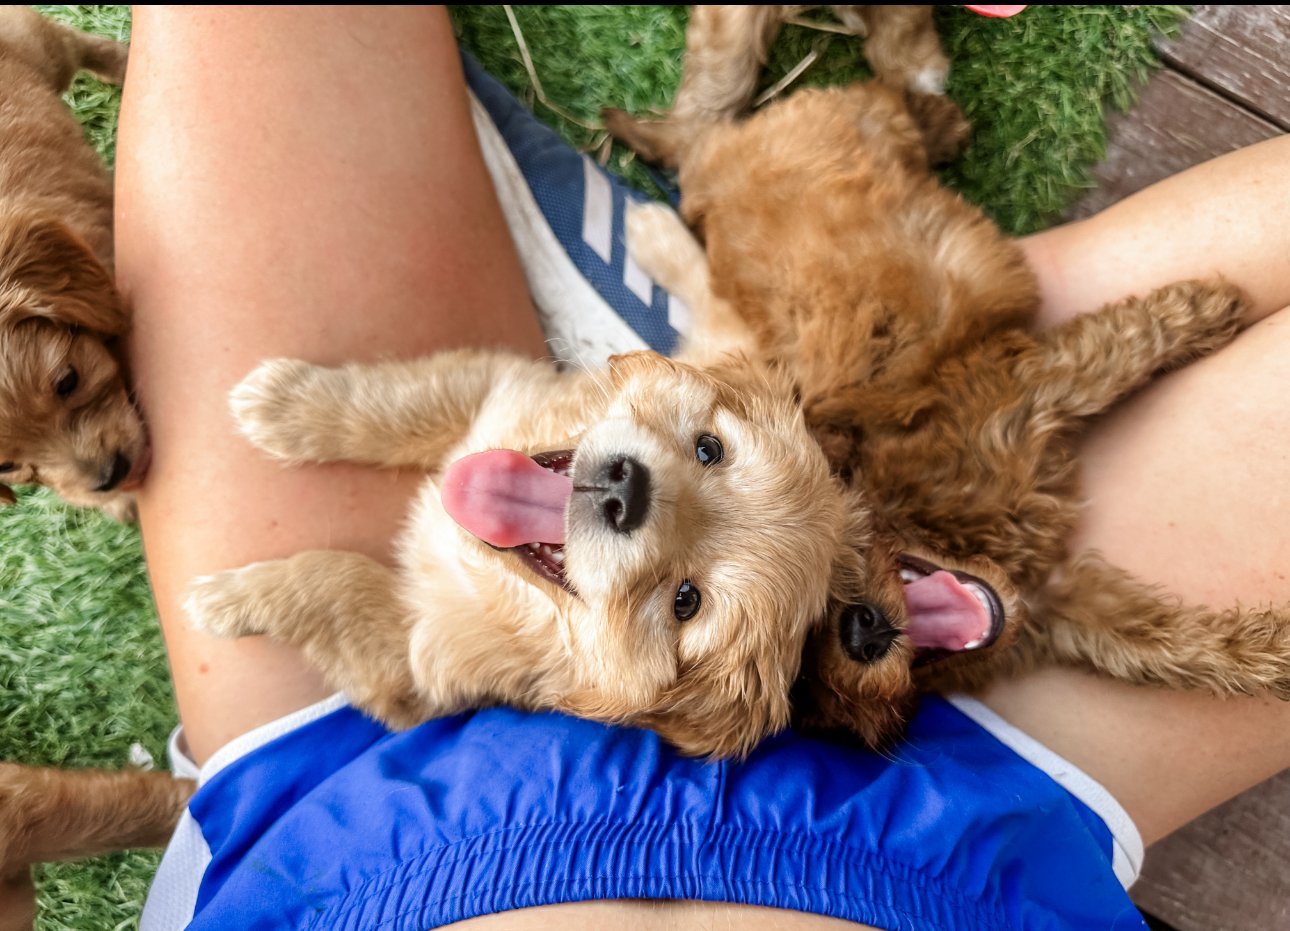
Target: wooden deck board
<point>1240,52</point>
<point>1176,123</point>
<point>1227,871</point>
<point>1226,85</point>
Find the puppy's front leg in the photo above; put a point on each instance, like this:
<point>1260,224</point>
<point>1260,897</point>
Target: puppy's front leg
<point>401,413</point>
<point>340,608</point>
<point>53,814</point>
<point>667,251</point>
<point>1091,362</point>
<point>1094,614</point>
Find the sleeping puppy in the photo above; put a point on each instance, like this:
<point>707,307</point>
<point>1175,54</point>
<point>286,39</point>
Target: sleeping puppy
<point>647,545</point>
<point>66,419</point>
<point>900,314</point>
<point>57,814</point>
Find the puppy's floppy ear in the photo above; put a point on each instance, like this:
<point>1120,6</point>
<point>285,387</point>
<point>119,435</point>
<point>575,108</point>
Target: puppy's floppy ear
<point>730,714</point>
<point>626,364</point>
<point>65,281</point>
<point>830,699</point>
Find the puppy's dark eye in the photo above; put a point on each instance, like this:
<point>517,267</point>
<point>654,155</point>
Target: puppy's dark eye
<point>8,466</point>
<point>687,601</point>
<point>68,382</point>
<point>708,450</point>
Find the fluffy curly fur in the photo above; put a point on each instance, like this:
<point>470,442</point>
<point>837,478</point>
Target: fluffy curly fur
<point>53,814</point>
<point>767,535</point>
<point>901,314</point>
<point>66,419</point>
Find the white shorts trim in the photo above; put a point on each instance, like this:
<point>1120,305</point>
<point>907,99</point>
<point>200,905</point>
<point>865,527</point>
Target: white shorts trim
<point>172,897</point>
<point>1127,844</point>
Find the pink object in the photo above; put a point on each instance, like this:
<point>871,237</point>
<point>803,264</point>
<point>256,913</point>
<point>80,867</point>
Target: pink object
<point>996,12</point>
<point>944,614</point>
<point>506,499</point>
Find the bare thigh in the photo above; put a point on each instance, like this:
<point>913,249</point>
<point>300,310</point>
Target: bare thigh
<point>1184,484</point>
<point>290,183</point>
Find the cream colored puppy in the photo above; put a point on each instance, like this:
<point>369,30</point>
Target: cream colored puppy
<point>649,545</point>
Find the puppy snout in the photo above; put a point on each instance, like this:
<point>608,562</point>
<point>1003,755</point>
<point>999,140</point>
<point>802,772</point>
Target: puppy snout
<point>113,473</point>
<point>621,493</point>
<point>865,632</point>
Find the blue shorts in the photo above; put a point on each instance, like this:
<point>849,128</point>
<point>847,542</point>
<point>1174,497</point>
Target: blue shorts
<point>326,821</point>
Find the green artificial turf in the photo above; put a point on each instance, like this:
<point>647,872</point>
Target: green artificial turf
<point>1036,87</point>
<point>82,670</point>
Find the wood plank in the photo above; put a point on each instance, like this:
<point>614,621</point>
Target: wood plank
<point>1175,124</point>
<point>1227,871</point>
<point>1242,52</point>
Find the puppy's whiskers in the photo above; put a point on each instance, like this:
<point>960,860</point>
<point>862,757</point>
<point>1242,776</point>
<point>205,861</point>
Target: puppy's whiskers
<point>596,376</point>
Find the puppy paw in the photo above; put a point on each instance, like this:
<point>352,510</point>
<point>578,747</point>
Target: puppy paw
<point>280,408</point>
<point>929,79</point>
<point>122,508</point>
<point>1218,302</point>
<point>1206,315</point>
<point>662,245</point>
<point>223,604</point>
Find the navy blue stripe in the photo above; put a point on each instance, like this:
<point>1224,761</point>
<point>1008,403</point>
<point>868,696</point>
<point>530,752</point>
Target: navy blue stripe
<point>554,173</point>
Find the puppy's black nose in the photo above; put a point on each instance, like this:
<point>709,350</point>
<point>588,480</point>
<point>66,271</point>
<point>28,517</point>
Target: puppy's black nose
<point>865,632</point>
<point>621,493</point>
<point>114,474</point>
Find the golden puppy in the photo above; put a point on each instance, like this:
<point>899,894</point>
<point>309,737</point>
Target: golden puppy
<point>53,814</point>
<point>66,419</point>
<point>647,546</point>
<point>900,312</point>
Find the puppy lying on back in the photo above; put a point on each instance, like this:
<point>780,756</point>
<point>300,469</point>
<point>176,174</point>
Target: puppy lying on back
<point>66,419</point>
<point>900,314</point>
<point>647,545</point>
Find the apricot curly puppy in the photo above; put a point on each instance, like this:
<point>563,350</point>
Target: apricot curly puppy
<point>66,418</point>
<point>647,546</point>
<point>900,313</point>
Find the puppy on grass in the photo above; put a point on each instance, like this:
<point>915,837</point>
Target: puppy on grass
<point>66,418</point>
<point>900,313</point>
<point>55,814</point>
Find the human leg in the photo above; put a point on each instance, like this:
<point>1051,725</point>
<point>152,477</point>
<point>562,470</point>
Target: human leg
<point>1227,216</point>
<point>1184,485</point>
<point>290,183</point>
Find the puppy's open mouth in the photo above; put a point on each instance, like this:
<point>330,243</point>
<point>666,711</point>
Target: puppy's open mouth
<point>514,502</point>
<point>950,612</point>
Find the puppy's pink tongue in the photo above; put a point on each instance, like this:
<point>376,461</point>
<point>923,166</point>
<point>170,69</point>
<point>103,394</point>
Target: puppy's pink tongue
<point>944,614</point>
<point>506,499</point>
